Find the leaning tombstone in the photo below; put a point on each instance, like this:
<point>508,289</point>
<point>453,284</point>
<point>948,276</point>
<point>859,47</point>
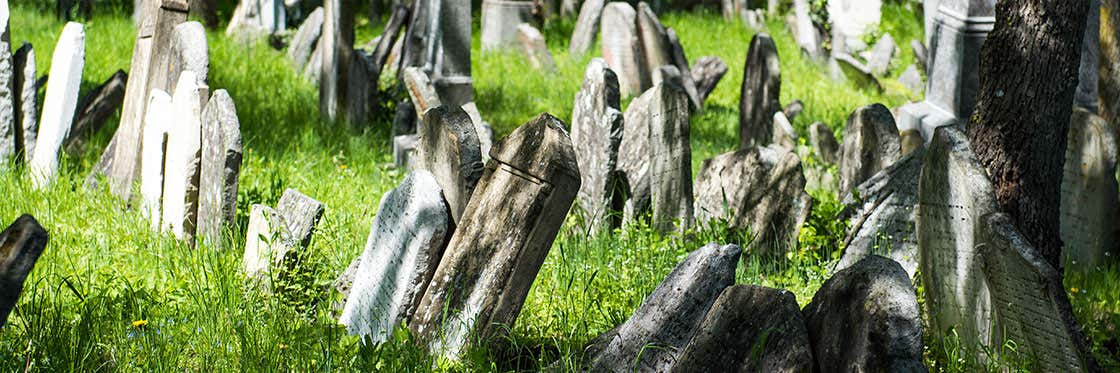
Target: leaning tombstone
<point>305,40</point>
<point>421,90</point>
<point>190,51</point>
<point>183,159</point>
<point>681,62</point>
<point>500,20</point>
<point>449,149</point>
<point>274,238</point>
<point>597,128</point>
<point>823,142</point>
<point>404,247</point>
<point>1086,95</point>
<point>759,94</point>
<point>881,55</point>
<point>670,156</point>
<point>265,233</point>
<point>533,46</point>
<point>94,110</point>
<point>9,127</point>
<point>784,134</point>
<point>620,48</point>
<point>871,143</point>
<point>633,155</point>
<point>586,28</point>
<point>27,92</point>
<point>59,103</point>
<point>706,73</point>
<point>502,240</point>
<point>882,213</point>
<point>1089,193</point>
<point>156,125</point>
<point>806,33</point>
<point>221,166</point>
<point>21,244</point>
<point>653,43</point>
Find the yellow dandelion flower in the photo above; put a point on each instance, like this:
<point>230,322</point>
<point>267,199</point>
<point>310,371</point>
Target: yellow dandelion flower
<point>343,167</point>
<point>139,323</point>
<point>1073,290</point>
<point>283,346</point>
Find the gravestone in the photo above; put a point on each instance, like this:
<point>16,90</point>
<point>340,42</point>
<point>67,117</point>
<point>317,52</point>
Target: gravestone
<point>500,19</point>
<point>823,142</point>
<point>597,128</point>
<point>420,90</point>
<point>157,123</point>
<point>652,338</point>
<point>633,154</point>
<point>483,129</point>
<point>189,51</point>
<point>387,44</point>
<point>405,244</point>
<point>654,43</point>
<point>58,104</point>
<point>586,28</point>
<point>622,49</point>
<point>1089,193</point>
<point>871,143</point>
<point>9,127</point>
<point>784,134</point>
<point>533,46</point>
<point>911,141</point>
<point>183,159</point>
<point>404,151</point>
<point>762,83</point>
<point>306,38</point>
<point>21,244</point>
<point>1088,71</point>
<point>912,80</point>
<point>93,110</point>
<point>438,42</point>
<point>865,319</point>
<point>852,19</point>
<point>881,55</point>
<point>681,62</point>
<point>502,240</point>
<point>921,54</point>
<point>707,73</point>
<point>26,91</point>
<point>264,234</point>
<point>849,69</point>
<point>670,157</point>
<point>882,213</point>
<point>793,109</point>
<point>805,32</point>
<point>221,166</point>
<point>1108,67</point>
<point>449,149</point>
<point>336,48</point>
<point>750,328</point>
<point>760,188</point>
<point>274,238</point>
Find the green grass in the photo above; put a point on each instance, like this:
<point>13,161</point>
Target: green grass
<point>110,294</point>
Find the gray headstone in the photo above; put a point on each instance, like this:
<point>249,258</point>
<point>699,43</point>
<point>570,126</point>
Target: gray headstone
<point>805,32</point>
<point>823,142</point>
<point>59,103</point>
<point>1088,71</point>
<point>94,110</point>
<point>26,91</point>
<point>275,238</point>
<point>759,94</point>
<point>881,55</point>
<point>865,319</point>
<point>265,233</point>
<point>421,91</point>
<point>882,213</point>
<point>586,28</point>
<point>1089,193</point>
<point>502,240</point>
<point>921,54</point>
<point>852,19</point>
<point>405,244</point>
<point>404,151</point>
<point>21,244</point>
<point>856,72</point>
<point>9,127</point>
<point>871,143</point>
<point>912,80</point>
<point>652,339</point>
<point>533,46</point>
<point>784,134</point>
<point>597,128</point>
<point>706,73</point>
<point>670,158</point>
<point>306,38</point>
<point>622,48</point>
<point>483,129</point>
<point>500,19</point>
<point>189,51</point>
<point>760,188</point>
<point>449,149</point>
<point>633,154</point>
<point>157,123</point>
<point>750,328</point>
<point>681,62</point>
<point>258,17</point>
<point>221,166</point>
<point>654,43</point>
<point>314,66</point>
<point>183,162</point>
<point>301,214</point>
<point>792,109</point>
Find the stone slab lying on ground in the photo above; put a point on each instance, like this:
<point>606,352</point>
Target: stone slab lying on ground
<point>503,238</point>
<point>449,149</point>
<point>882,214</point>
<point>27,101</point>
<point>221,167</point>
<point>759,92</point>
<point>500,20</point>
<point>183,163</point>
<point>586,28</point>
<point>59,103</point>
<point>533,46</point>
<point>157,123</point>
<point>21,244</point>
<point>306,38</point>
<point>1089,193</point>
<point>597,128</point>
<point>871,143</point>
<point>670,155</point>
<point>94,110</point>
<point>707,72</point>
<point>622,49</point>
<point>405,244</point>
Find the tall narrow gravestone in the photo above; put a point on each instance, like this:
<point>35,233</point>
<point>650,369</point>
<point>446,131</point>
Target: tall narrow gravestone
<point>21,244</point>
<point>183,159</point>
<point>1089,193</point>
<point>404,247</point>
<point>156,124</point>
<point>621,48</point>
<point>502,240</point>
<point>306,39</point>
<point>597,133</point>
<point>499,22</point>
<point>221,166</point>
<point>449,149</point>
<point>670,157</point>
<point>759,94</point>
<point>533,46</point>
<point>9,127</point>
<point>27,102</point>
<point>586,28</point>
<point>59,103</point>
<point>633,155</point>
<point>660,46</point>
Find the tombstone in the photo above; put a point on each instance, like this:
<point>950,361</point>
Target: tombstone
<point>652,338</point>
<point>1108,83</point>
<point>1089,193</point>
<point>157,123</point>
<point>921,54</point>
<point>438,42</point>
<point>823,142</point>
<point>707,73</point>
<point>633,154</point>
<point>483,129</point>
<point>9,127</point>
<point>94,109</point>
<point>958,31</point>
<point>621,48</point>
<point>1088,71</point>
<point>759,94</point>
<point>760,188</point>
<point>183,162</point>
<point>274,238</point>
<point>654,43</point>
<point>792,109</point>
<point>26,91</point>
<point>500,19</point>
<point>865,319</point>
<point>58,104</point>
<point>750,328</point>
<point>586,28</point>
<point>306,38</point>
<point>387,44</point>
<point>912,80</point>
<point>732,8</point>
<point>421,91</point>
<point>21,244</point>
<point>189,51</point>
<point>882,213</point>
<point>681,62</point>
<point>314,66</point>
<point>805,32</point>
<point>258,17</point>
<point>670,158</point>
<point>881,55</point>
<point>221,167</point>
<point>852,19</point>
<point>404,151</point>
<point>502,240</point>
<point>405,244</point>
<point>336,46</point>
<point>871,143</point>
<point>533,46</point>
<point>784,134</point>
<point>597,128</point>
<point>449,149</point>
<point>855,72</point>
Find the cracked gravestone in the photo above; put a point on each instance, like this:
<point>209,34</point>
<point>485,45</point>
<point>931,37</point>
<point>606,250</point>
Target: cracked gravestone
<point>221,166</point>
<point>597,128</point>
<point>59,103</point>
<point>759,94</point>
<point>871,143</point>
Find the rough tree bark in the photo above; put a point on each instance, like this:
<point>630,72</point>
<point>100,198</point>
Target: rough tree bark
<point>1028,74</point>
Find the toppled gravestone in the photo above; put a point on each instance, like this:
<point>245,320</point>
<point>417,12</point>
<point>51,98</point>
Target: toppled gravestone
<point>20,246</point>
<point>597,128</point>
<point>759,94</point>
<point>533,46</point>
<point>760,188</point>
<point>882,213</point>
<point>221,166</point>
<point>707,73</point>
<point>586,28</point>
<point>871,143</point>
<point>274,238</point>
<point>879,60</point>
<point>94,110</point>
<point>1089,193</point>
<point>633,154</point>
<point>670,154</point>
<point>306,39</point>
<point>750,328</point>
<point>449,149</point>
<point>183,159</point>
<point>502,239</point>
<point>844,67</point>
<point>865,319</point>
<point>621,48</point>
<point>652,339</point>
<point>405,244</point>
<point>823,142</point>
<point>500,19</point>
<point>59,103</point>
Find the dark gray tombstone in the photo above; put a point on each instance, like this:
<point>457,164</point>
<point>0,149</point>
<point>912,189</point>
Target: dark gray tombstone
<point>882,214</point>
<point>597,128</point>
<point>871,143</point>
<point>336,48</point>
<point>1088,72</point>
<point>450,150</point>
<point>759,94</point>
<point>27,107</point>
<point>670,157</point>
<point>622,48</point>
<point>94,109</point>
<point>221,166</point>
<point>633,155</point>
<point>707,72</point>
<point>21,244</point>
<point>9,127</point>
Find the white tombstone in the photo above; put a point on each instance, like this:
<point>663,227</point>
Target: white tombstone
<point>59,104</point>
<point>156,123</point>
<point>184,152</point>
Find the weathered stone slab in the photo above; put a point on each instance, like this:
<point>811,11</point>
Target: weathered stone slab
<point>597,128</point>
<point>59,103</point>
<point>27,101</point>
<point>21,244</point>
<point>1108,83</point>
<point>706,73</point>
<point>670,158</point>
<point>94,109</point>
<point>421,91</point>
<point>9,127</point>
<point>1089,72</point>
<point>654,43</point>
<point>404,151</point>
<point>652,339</point>
<point>824,143</point>
<point>439,42</point>
<point>759,94</point>
<point>265,233</point>
<point>622,48</point>
<point>502,240</point>
<point>805,32</point>
<point>792,109</point>
<point>306,38</point>
<point>1089,193</point>
<point>257,18</point>
<point>336,48</point>
<point>871,143</point>
<point>921,54</point>
<point>189,51</point>
<point>882,214</point>
<point>865,319</point>
<point>182,166</point>
<point>676,51</point>
<point>750,328</point>
<point>760,188</point>
<point>405,245</point>
<point>483,129</point>
<point>912,80</point>
<point>158,122</point>
<point>221,166</point>
<point>881,55</point>
<point>500,20</point>
<point>586,28</point>
<point>784,134</point>
<point>388,43</point>
<point>301,214</point>
<point>449,149</point>
<point>533,46</point>
<point>275,238</point>
<point>633,154</point>
<point>856,72</point>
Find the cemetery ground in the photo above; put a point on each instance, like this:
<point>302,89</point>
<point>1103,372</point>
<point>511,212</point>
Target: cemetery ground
<point>109,293</point>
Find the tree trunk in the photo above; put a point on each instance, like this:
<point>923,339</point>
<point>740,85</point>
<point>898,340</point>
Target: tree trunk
<point>1028,74</point>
